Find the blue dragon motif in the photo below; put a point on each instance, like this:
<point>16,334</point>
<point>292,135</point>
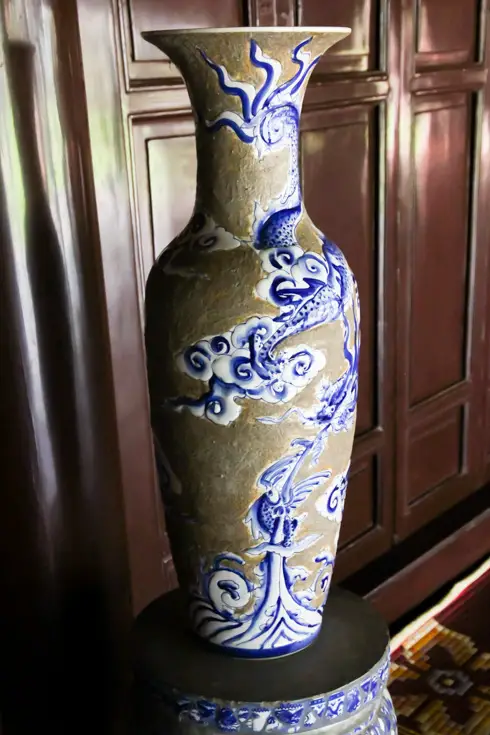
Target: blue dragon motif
<point>269,616</point>
<point>270,113</point>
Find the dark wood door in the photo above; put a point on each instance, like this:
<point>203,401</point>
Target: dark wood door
<point>442,250</point>
<point>395,131</point>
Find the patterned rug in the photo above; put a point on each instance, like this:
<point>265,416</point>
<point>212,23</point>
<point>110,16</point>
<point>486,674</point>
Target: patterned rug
<point>440,675</point>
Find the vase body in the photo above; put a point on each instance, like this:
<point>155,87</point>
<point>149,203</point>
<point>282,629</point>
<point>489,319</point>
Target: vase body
<point>252,339</point>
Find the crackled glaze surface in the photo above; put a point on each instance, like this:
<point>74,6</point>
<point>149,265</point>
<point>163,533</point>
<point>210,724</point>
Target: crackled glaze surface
<point>252,336</point>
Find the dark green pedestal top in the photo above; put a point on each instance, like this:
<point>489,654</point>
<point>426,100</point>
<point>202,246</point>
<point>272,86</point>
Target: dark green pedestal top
<point>353,639</point>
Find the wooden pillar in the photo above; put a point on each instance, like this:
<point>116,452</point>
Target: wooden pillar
<point>65,603</point>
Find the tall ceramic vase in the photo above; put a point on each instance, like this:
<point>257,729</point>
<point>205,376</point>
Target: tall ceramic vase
<point>252,338</point>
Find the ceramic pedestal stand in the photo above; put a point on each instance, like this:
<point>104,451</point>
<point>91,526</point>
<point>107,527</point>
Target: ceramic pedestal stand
<point>336,686</point>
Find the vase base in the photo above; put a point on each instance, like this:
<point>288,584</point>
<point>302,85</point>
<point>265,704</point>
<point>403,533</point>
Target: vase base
<point>259,654</point>
<point>336,686</point>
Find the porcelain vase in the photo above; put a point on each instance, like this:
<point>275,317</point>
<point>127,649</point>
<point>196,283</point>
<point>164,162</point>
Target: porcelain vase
<point>252,339</point>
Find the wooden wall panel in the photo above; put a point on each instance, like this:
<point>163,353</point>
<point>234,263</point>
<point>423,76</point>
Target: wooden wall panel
<point>165,183</point>
<point>435,453</point>
<point>446,32</point>
<point>439,244</point>
<point>441,255</point>
<point>172,171</point>
<point>359,51</point>
<point>149,15</point>
<point>144,65</point>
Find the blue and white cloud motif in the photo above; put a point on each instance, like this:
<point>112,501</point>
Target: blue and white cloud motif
<point>293,277</point>
<point>331,503</point>
<point>227,363</point>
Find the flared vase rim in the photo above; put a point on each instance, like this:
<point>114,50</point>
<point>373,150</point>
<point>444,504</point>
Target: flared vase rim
<point>247,29</point>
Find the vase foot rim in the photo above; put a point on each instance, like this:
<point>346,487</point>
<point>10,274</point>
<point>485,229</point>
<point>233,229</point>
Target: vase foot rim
<point>260,653</point>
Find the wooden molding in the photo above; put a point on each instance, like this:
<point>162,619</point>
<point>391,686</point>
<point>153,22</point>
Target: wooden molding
<point>434,556</point>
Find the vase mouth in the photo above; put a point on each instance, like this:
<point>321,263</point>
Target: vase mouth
<point>248,29</point>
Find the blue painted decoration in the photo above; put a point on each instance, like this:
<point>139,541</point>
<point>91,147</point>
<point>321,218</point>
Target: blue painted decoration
<point>251,362</point>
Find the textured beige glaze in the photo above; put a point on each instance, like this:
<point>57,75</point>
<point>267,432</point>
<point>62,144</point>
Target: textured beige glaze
<point>193,295</point>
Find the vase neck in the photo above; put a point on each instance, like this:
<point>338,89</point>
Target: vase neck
<point>246,89</point>
<point>238,181</point>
